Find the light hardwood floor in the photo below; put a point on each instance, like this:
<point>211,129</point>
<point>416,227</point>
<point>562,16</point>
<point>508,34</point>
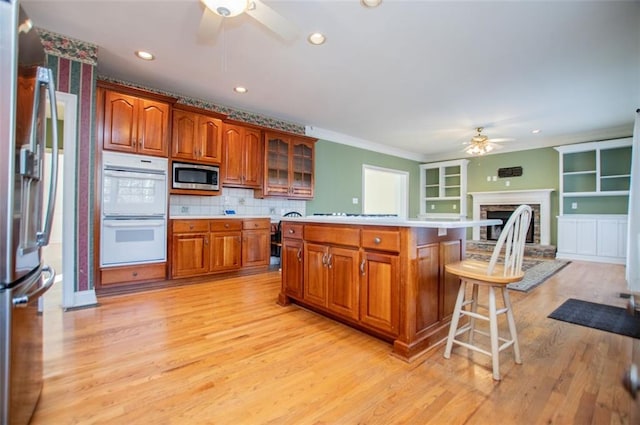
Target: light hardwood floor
<point>225,353</point>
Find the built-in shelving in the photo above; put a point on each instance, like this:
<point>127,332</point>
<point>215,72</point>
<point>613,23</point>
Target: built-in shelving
<point>594,192</point>
<point>443,189</point>
<point>591,171</point>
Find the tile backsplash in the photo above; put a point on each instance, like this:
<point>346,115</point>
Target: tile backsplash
<point>240,200</point>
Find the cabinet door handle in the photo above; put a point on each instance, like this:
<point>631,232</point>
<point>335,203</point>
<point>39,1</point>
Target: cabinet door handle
<point>362,267</point>
<point>206,241</point>
<point>299,255</point>
<point>377,240</point>
<point>329,260</point>
<point>324,259</point>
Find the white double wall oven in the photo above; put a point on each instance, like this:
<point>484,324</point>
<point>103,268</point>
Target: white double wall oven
<point>134,209</point>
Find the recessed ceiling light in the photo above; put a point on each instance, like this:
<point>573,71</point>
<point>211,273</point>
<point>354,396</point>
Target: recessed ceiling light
<point>144,55</point>
<point>316,38</point>
<point>536,131</point>
<point>370,3</point>
<point>240,89</point>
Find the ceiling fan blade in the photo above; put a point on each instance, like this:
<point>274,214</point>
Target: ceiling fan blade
<point>209,26</point>
<point>272,20</point>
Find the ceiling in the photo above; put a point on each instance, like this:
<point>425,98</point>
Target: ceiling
<point>409,78</point>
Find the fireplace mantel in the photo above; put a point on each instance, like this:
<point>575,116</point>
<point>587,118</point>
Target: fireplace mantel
<point>541,197</point>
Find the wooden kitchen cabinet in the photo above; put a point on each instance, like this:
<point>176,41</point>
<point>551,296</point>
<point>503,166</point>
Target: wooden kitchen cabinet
<point>207,246</point>
<point>291,261</point>
<point>256,242</point>
<point>189,248</point>
<point>242,156</point>
<point>289,166</point>
<point>379,277</point>
<point>132,121</point>
<point>331,269</point>
<point>226,245</point>
<point>196,136</point>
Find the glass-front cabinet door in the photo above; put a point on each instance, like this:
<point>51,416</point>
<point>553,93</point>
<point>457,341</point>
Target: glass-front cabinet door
<point>302,169</point>
<point>277,176</point>
<point>288,166</point>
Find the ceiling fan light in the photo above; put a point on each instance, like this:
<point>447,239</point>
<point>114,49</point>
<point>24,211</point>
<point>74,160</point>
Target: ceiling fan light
<point>227,8</point>
<point>370,3</point>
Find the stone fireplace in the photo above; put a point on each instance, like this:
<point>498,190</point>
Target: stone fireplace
<point>506,202</point>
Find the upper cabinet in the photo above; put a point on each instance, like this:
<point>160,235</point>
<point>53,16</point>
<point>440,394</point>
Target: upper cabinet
<point>196,135</point>
<point>133,121</point>
<point>289,166</point>
<point>242,156</point>
<point>443,189</point>
<point>591,171</point>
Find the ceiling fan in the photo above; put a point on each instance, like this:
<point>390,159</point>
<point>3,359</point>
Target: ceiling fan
<point>481,144</point>
<point>216,11</point>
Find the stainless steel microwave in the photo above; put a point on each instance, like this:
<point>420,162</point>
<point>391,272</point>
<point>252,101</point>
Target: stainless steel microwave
<point>195,176</point>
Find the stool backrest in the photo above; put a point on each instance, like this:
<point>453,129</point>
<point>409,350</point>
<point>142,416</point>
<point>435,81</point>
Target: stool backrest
<point>512,238</point>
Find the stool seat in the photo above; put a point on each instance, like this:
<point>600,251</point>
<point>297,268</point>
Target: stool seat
<point>478,270</point>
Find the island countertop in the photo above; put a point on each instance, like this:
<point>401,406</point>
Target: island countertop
<point>445,223</point>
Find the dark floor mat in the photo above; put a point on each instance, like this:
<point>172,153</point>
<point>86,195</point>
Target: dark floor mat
<point>599,316</point>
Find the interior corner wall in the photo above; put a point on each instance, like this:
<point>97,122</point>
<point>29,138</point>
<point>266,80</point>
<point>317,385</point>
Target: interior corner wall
<point>540,170</point>
<point>79,78</point>
<point>338,177</point>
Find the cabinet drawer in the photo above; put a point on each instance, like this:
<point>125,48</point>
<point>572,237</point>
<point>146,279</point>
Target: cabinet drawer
<point>292,231</point>
<point>224,225</point>
<point>334,235</point>
<point>185,226</point>
<point>254,224</point>
<point>383,240</point>
<point>132,274</point>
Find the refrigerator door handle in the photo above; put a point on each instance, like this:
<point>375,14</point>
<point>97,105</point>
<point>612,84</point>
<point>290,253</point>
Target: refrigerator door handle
<point>45,76</point>
<point>23,300</point>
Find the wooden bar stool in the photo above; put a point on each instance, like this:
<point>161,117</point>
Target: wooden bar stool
<point>494,275</point>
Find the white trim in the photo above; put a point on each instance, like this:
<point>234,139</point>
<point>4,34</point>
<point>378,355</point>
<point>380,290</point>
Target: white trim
<point>343,139</point>
<point>540,197</point>
<point>70,103</point>
<point>83,299</point>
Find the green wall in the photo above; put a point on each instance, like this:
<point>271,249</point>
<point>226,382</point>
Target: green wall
<point>338,177</point>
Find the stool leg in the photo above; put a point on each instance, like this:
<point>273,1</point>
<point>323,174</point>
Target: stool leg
<point>474,308</point>
<point>493,331</point>
<point>455,319</point>
<point>512,325</point>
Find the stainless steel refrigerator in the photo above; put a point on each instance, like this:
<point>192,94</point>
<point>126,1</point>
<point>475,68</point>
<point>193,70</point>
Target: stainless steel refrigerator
<point>25,222</point>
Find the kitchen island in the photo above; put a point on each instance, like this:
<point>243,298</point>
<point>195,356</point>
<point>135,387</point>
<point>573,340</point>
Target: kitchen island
<point>383,276</point>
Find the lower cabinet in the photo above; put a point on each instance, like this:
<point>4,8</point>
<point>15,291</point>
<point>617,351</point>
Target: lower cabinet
<point>591,237</point>
<point>132,274</point>
<point>202,246</point>
<point>291,262</point>
<point>380,291</point>
<point>256,242</point>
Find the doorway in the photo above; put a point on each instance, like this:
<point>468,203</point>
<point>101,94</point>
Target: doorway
<point>385,191</point>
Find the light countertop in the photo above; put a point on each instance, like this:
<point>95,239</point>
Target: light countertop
<point>411,222</point>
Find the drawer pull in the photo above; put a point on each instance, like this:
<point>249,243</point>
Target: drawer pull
<point>291,231</point>
<point>135,274</point>
<point>191,227</point>
<point>377,240</point>
<point>226,225</point>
